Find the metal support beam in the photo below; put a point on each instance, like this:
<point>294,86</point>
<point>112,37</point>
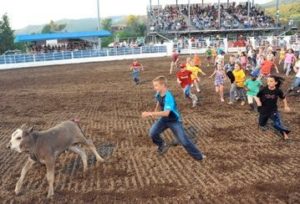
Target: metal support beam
<point>248,10</point>
<point>219,13</point>
<point>99,21</point>
<point>277,13</point>
<point>189,14</point>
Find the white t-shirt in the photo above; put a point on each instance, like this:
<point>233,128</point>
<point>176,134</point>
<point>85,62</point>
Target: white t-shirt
<point>297,64</point>
<point>220,59</point>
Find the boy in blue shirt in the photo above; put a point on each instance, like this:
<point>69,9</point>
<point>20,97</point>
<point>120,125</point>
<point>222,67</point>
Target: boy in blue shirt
<point>252,86</point>
<point>169,117</point>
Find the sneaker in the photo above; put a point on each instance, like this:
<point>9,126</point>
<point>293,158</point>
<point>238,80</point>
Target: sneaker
<point>174,143</point>
<point>194,100</point>
<point>222,100</point>
<point>162,149</point>
<point>243,103</point>
<point>230,103</point>
<point>263,128</point>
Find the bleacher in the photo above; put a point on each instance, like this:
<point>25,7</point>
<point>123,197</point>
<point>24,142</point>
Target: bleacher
<point>206,17</point>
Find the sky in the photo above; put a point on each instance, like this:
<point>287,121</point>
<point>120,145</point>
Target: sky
<point>35,12</point>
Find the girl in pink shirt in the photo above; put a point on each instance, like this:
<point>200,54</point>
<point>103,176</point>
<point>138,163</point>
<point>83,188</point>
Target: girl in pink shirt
<point>288,61</point>
<point>244,60</point>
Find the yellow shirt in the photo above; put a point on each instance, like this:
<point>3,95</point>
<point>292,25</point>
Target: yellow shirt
<point>195,71</point>
<point>239,77</point>
<point>214,52</point>
<point>282,54</point>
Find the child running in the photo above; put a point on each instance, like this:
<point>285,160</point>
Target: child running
<point>220,77</point>
<point>169,117</point>
<point>296,83</point>
<point>208,56</point>
<point>288,61</point>
<point>197,60</point>
<point>238,87</point>
<point>267,66</point>
<point>267,105</point>
<point>252,86</point>
<point>213,53</point>
<point>174,62</point>
<point>184,78</point>
<point>136,68</point>
<point>244,60</point>
<point>281,55</point>
<point>190,66</point>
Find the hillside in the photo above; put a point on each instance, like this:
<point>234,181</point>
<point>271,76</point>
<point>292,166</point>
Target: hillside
<point>287,11</point>
<point>272,3</point>
<point>73,25</point>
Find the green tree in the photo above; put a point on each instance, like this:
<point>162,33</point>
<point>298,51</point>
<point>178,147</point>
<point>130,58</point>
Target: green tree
<point>6,35</point>
<point>106,24</point>
<point>53,27</point>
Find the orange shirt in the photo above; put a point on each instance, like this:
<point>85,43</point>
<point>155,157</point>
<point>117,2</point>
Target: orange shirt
<point>266,67</point>
<point>197,61</point>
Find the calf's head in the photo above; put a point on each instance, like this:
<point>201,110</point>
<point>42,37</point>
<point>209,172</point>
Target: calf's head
<point>20,139</point>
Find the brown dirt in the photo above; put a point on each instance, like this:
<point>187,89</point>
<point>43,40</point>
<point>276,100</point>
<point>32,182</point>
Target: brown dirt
<point>243,165</point>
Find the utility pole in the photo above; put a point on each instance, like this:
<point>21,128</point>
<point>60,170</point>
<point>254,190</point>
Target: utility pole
<point>277,13</point>
<point>219,13</point>
<point>99,22</point>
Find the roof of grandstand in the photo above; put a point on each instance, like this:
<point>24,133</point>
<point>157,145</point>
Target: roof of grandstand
<point>60,36</point>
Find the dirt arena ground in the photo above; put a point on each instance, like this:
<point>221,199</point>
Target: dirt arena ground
<point>243,165</point>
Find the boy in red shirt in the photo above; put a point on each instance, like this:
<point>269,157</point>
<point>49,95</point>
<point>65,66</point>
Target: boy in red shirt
<point>266,67</point>
<point>185,80</point>
<point>136,68</point>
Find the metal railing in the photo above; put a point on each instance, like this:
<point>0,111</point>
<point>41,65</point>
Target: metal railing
<point>68,55</point>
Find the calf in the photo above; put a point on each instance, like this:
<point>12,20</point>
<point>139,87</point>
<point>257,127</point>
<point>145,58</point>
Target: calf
<point>45,146</point>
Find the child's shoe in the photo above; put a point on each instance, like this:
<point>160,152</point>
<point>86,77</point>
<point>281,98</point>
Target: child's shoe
<point>162,149</point>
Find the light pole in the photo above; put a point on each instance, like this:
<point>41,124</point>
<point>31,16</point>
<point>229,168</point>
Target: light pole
<point>277,13</point>
<point>99,22</point>
<point>219,13</point>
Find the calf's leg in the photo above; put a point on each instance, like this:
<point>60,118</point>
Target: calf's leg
<point>91,146</point>
<point>89,143</point>
<point>82,154</point>
<point>50,165</point>
<point>24,171</point>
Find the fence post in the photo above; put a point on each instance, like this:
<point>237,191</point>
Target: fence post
<point>33,56</point>
<point>72,55</point>
<point>141,50</point>
<point>4,59</point>
<point>107,52</point>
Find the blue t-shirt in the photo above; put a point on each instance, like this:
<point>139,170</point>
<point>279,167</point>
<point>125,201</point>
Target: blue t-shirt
<point>167,102</point>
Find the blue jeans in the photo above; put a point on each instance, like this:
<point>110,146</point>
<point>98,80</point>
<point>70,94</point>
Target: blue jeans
<point>277,124</point>
<point>296,83</point>
<point>160,125</point>
<point>187,91</point>
<point>136,76</point>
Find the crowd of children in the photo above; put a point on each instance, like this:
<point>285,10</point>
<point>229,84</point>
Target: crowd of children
<point>261,89</point>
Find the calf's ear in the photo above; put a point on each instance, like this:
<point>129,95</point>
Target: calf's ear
<point>23,126</point>
<point>30,129</point>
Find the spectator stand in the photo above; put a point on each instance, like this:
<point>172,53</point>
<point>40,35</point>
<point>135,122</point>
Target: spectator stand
<point>61,42</point>
<point>209,19</point>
